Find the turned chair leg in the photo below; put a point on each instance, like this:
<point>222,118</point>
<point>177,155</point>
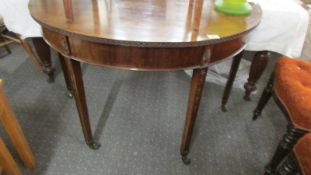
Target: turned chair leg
<point>258,66</point>
<point>266,95</point>
<point>289,167</point>
<point>285,146</point>
<point>44,54</point>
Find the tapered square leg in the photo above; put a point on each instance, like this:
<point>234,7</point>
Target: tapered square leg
<point>234,69</point>
<point>197,85</point>
<point>66,74</point>
<point>76,81</point>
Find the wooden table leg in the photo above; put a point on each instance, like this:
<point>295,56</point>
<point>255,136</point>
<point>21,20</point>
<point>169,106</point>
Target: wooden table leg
<point>7,162</point>
<point>75,73</point>
<point>12,127</point>
<point>234,69</point>
<point>44,53</point>
<point>66,74</point>
<point>259,64</point>
<point>197,85</point>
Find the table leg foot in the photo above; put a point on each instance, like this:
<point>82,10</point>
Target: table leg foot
<point>66,75</point>
<point>186,160</point>
<point>224,108</point>
<point>256,115</point>
<point>76,83</point>
<point>50,73</point>
<point>197,85</point>
<point>94,145</point>
<point>69,94</point>
<point>247,96</point>
<point>233,70</point>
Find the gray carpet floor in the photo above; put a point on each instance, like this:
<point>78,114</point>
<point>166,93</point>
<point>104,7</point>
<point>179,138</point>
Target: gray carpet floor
<point>138,119</point>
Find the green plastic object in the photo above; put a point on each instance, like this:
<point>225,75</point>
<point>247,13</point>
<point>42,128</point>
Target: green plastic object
<point>233,7</point>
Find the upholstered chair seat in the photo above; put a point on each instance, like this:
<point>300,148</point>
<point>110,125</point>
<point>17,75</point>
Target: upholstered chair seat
<point>292,86</point>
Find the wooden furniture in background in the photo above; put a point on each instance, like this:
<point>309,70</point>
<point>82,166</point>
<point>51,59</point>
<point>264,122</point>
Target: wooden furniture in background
<point>3,42</point>
<point>16,135</point>
<point>290,87</point>
<point>258,65</point>
<point>43,57</point>
<point>7,161</point>
<point>171,36</point>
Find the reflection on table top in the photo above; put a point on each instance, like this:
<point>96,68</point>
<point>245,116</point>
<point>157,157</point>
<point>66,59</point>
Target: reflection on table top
<point>153,21</point>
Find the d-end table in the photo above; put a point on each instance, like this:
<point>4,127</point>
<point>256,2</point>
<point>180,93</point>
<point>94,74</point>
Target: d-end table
<point>144,35</point>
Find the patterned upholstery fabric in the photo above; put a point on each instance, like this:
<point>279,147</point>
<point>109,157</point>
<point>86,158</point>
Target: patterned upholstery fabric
<point>292,86</point>
<point>303,154</point>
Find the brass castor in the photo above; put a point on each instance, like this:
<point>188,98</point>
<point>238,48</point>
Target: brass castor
<point>224,108</point>
<point>94,145</point>
<point>69,94</point>
<point>256,115</point>
<point>185,160</point>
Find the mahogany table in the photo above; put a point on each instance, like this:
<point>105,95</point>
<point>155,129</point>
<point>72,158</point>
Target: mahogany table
<point>145,35</point>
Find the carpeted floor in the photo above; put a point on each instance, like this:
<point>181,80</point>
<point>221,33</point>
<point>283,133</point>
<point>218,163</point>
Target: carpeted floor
<point>138,119</point>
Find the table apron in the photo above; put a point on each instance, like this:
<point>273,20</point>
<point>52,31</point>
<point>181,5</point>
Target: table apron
<point>141,58</point>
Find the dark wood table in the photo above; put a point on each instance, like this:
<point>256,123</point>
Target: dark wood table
<point>144,35</point>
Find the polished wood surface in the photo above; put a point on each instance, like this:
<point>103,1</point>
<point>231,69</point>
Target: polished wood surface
<point>44,54</point>
<point>142,58</point>
<point>196,89</point>
<point>233,70</point>
<point>148,35</point>
<point>153,23</point>
<point>74,69</point>
<point>13,129</point>
<point>65,69</point>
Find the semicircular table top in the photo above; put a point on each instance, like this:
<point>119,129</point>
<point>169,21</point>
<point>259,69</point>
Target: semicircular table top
<point>170,22</point>
<point>148,35</point>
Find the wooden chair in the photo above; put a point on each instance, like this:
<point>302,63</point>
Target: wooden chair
<point>290,85</point>
<point>9,38</point>
<point>299,160</point>
<point>42,59</point>
<point>4,43</point>
<point>13,129</point>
